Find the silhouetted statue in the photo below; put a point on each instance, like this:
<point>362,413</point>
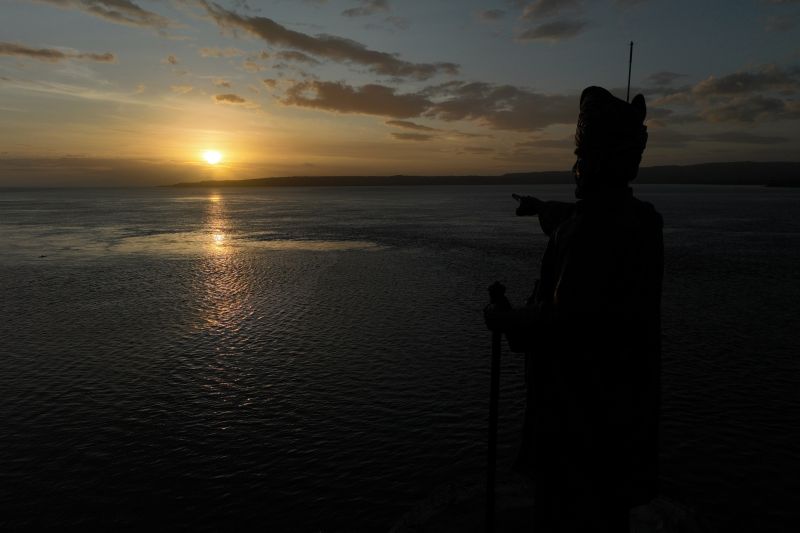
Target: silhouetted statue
<point>592,333</point>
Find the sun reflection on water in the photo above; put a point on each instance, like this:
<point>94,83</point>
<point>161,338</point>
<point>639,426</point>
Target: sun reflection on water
<point>222,280</point>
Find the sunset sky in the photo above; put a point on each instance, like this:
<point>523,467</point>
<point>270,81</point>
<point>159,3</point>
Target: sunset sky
<point>135,92</point>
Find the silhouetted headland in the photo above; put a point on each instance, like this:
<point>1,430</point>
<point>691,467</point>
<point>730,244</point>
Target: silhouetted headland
<point>777,174</point>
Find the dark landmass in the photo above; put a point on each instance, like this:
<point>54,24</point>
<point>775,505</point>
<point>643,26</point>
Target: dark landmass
<point>775,174</point>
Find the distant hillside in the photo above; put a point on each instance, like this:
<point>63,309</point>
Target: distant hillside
<point>739,173</point>
<point>786,174</point>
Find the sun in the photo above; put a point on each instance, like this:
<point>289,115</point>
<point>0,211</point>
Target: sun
<point>212,157</point>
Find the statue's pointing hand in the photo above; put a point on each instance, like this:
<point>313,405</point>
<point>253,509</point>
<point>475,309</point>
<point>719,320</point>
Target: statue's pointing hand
<point>528,205</point>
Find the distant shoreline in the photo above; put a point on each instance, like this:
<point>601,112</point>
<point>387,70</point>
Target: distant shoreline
<point>773,174</point>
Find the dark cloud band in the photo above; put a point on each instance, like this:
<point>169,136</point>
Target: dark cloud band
<point>117,11</point>
<point>502,107</point>
<point>326,46</point>
<point>51,54</point>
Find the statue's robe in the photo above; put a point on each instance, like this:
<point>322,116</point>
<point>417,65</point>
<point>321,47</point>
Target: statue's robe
<point>594,354</point>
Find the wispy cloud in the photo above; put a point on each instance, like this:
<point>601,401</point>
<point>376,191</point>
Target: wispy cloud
<point>782,23</point>
<point>412,136</point>
<point>671,138</point>
<point>67,90</point>
<point>743,137</point>
<point>368,100</point>
<point>181,89</point>
<point>751,109</point>
<point>554,31</point>
<point>477,150</point>
<point>252,66</point>
<point>297,57</point>
<point>409,125</point>
<point>326,46</point>
<point>117,11</point>
<point>393,22</point>
<point>229,98</point>
<point>367,7</point>
<point>212,51</point>
<point>766,78</point>
<point>53,55</point>
<point>764,93</point>
<point>663,77</point>
<point>565,143</point>
<point>491,15</point>
<point>438,132</point>
<point>548,8</point>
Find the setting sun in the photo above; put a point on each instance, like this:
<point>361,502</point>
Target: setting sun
<point>212,157</point>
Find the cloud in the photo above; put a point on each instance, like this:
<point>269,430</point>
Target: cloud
<point>491,15</point>
<point>663,77</point>
<point>401,23</point>
<point>297,57</point>
<point>743,137</point>
<point>222,82</point>
<point>466,135</point>
<point>566,143</point>
<point>181,89</point>
<point>229,98</point>
<point>170,60</point>
<point>548,8</point>
<point>412,136</point>
<point>270,83</point>
<point>783,23</point>
<point>327,46</point>
<point>409,125</point>
<point>765,93</point>
<point>554,31</point>
<point>117,11</point>
<point>367,7</point>
<point>667,138</point>
<point>477,150</point>
<point>368,100</point>
<point>502,107</point>
<point>670,138</point>
<point>221,52</point>
<point>91,92</point>
<point>750,109</point>
<point>252,66</point>
<point>52,55</point>
<point>766,78</point>
<point>413,126</point>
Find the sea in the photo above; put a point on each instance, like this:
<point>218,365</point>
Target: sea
<point>315,359</point>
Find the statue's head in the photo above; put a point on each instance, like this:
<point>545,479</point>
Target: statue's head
<point>609,141</point>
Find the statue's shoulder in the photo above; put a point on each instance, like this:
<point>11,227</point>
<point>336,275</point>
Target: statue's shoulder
<point>646,212</point>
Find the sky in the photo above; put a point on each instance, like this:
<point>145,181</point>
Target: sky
<point>139,92</point>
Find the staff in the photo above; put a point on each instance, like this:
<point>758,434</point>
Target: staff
<point>630,63</point>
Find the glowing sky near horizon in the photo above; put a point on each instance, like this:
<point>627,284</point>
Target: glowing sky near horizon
<point>137,91</point>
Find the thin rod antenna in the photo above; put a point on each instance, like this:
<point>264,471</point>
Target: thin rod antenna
<point>630,62</point>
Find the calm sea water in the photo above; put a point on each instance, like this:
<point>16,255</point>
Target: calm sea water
<point>314,359</point>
